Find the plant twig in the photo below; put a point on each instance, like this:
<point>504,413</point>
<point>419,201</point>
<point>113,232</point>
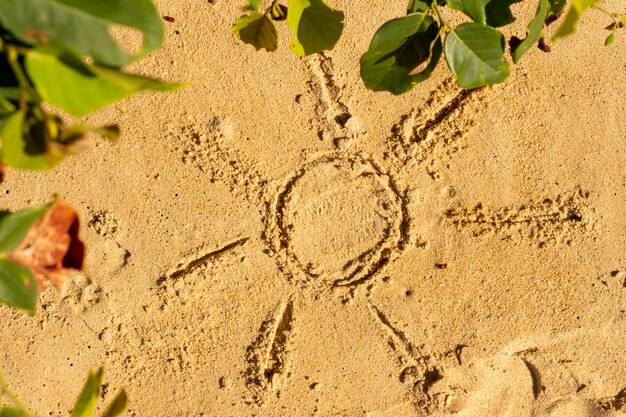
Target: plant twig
<point>269,9</point>
<point>20,49</point>
<point>26,90</point>
<point>443,22</point>
<point>614,16</point>
<point>6,104</point>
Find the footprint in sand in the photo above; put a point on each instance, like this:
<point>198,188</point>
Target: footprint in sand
<point>577,407</point>
<point>504,389</point>
<point>114,256</point>
<point>508,386</point>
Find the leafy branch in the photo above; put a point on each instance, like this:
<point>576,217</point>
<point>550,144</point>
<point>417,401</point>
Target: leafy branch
<point>74,66</point>
<point>314,24</point>
<point>619,22</point>
<point>61,55</point>
<point>405,51</point>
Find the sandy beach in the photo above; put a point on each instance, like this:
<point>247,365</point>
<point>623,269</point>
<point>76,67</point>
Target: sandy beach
<point>277,240</point>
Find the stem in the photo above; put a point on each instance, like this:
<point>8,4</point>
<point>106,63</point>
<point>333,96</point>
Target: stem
<point>4,390</point>
<point>613,16</point>
<point>25,89</point>
<point>442,31</point>
<point>603,10</point>
<point>6,104</point>
<point>269,9</point>
<point>20,49</point>
<point>27,92</point>
<point>443,22</point>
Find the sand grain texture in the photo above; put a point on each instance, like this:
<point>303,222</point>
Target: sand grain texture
<point>275,240</point>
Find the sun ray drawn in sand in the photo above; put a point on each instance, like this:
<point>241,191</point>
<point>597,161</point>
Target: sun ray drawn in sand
<point>305,216</point>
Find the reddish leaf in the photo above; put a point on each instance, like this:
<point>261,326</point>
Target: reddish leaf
<point>52,247</point>
<point>552,18</point>
<point>3,171</point>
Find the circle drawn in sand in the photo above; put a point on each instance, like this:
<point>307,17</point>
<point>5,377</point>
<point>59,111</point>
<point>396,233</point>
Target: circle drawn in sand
<point>339,219</point>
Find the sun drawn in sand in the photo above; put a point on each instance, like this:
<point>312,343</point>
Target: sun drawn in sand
<point>337,222</point>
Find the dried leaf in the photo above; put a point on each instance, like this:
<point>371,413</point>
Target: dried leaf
<point>278,12</point>
<point>52,247</point>
<point>543,45</point>
<point>615,25</point>
<point>514,42</point>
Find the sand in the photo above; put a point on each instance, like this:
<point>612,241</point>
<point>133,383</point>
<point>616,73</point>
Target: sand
<point>276,240</point>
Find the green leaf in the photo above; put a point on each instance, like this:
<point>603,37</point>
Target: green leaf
<point>18,287</point>
<point>610,39</point>
<point>22,147</point>
<point>569,24</point>
<point>316,26</point>
<point>117,406</point>
<point>76,132</point>
<point>416,6</point>
<point>11,412</point>
<point>86,403</point>
<point>15,226</point>
<point>534,33</point>
<point>6,107</point>
<point>498,12</point>
<point>10,93</point>
<point>398,47</point>
<point>84,25</point>
<point>473,8</point>
<point>571,19</point>
<point>494,13</point>
<point>64,80</point>
<point>257,30</point>
<point>252,5</point>
<point>555,7</point>
<point>474,54</point>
